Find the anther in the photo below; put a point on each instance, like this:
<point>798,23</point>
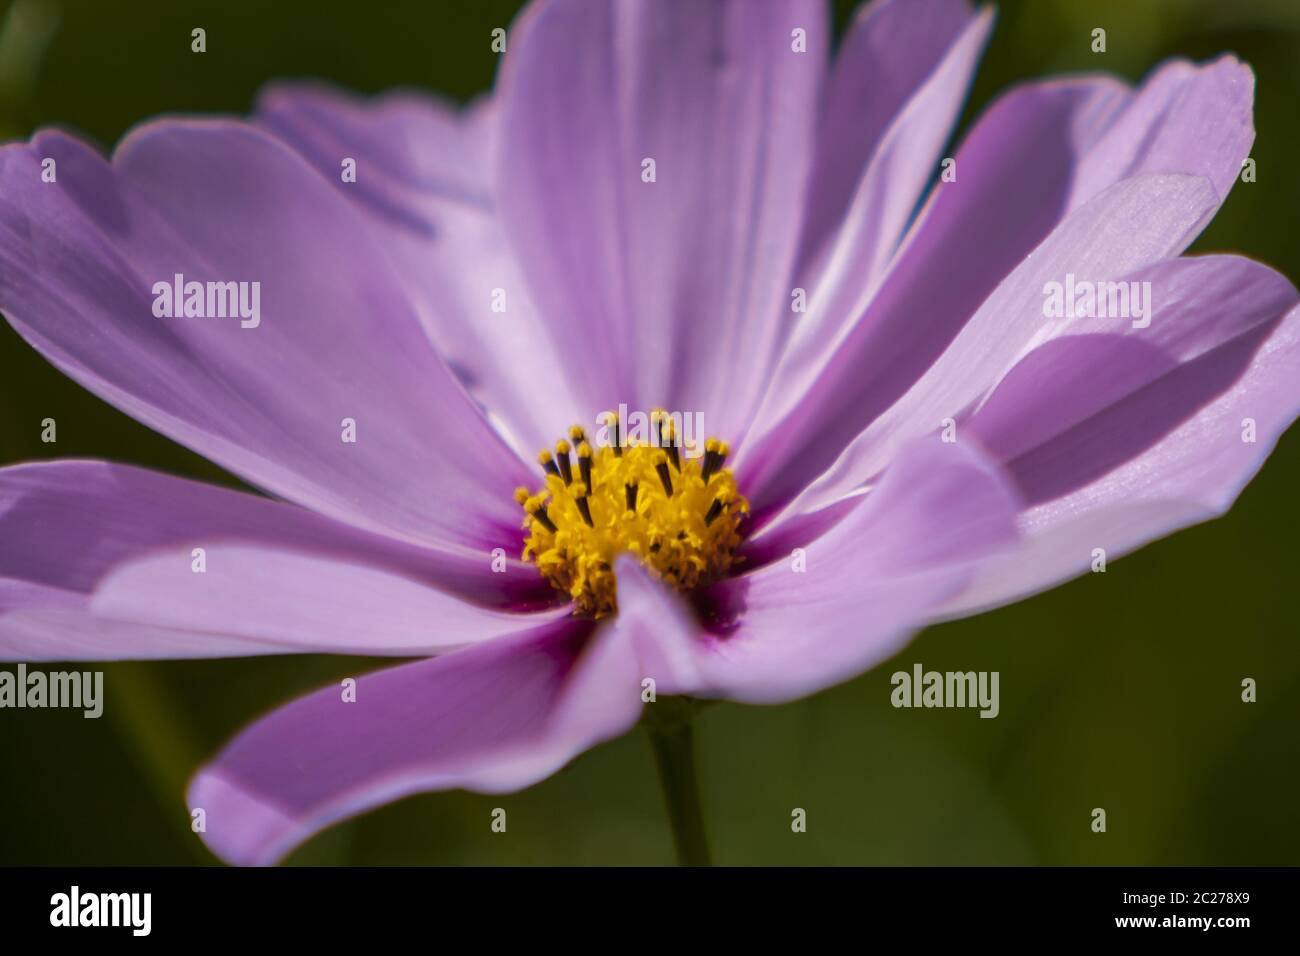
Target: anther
<point>715,509</point>
<point>611,418</point>
<point>720,458</point>
<point>580,499</point>
<point>535,508</point>
<point>584,460</point>
<point>562,456</point>
<point>710,459</point>
<point>576,435</point>
<point>661,466</point>
<point>671,433</point>
<point>630,491</point>
<point>547,462</point>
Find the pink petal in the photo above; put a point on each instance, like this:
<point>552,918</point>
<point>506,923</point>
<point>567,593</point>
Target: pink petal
<point>1186,118</point>
<point>891,73</point>
<point>220,201</point>
<point>674,292</point>
<point>1098,391</point>
<point>871,581</point>
<point>1040,153</point>
<point>886,196</point>
<point>424,177</point>
<point>96,563</point>
<point>1013,171</point>
<point>495,717</point>
<point>1193,473</point>
<point>1133,224</point>
<point>405,143</point>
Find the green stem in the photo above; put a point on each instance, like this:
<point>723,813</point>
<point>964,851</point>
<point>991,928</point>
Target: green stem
<point>675,756</point>
<point>152,726</point>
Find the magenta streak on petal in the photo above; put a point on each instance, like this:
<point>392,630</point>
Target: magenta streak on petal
<point>905,548</point>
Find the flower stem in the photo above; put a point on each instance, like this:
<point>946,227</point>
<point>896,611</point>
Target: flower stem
<point>674,747</point>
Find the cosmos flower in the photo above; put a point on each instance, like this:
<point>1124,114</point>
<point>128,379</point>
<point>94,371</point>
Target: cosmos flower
<point>673,205</point>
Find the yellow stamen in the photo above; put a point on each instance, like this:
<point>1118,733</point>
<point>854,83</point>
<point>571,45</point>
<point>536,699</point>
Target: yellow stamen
<point>545,459</point>
<point>562,459</point>
<point>681,524</point>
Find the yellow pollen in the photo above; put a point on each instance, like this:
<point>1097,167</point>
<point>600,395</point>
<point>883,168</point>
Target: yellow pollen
<point>680,520</point>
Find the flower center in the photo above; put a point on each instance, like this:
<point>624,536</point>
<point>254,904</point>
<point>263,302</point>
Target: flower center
<point>676,511</point>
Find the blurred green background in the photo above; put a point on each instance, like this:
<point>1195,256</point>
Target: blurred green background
<point>1119,691</point>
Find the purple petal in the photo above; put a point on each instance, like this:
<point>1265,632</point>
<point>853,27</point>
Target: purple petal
<point>1186,118</point>
<point>423,175</point>
<point>1100,391</point>
<point>1193,471</point>
<point>1038,154</point>
<point>1134,223</point>
<point>219,201</point>
<point>1013,172</point>
<point>775,541</point>
<point>404,143</point>
<point>899,81</point>
<point>96,563</point>
<point>871,581</point>
<point>660,628</point>
<point>300,602</point>
<point>495,717</point>
<point>673,292</point>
